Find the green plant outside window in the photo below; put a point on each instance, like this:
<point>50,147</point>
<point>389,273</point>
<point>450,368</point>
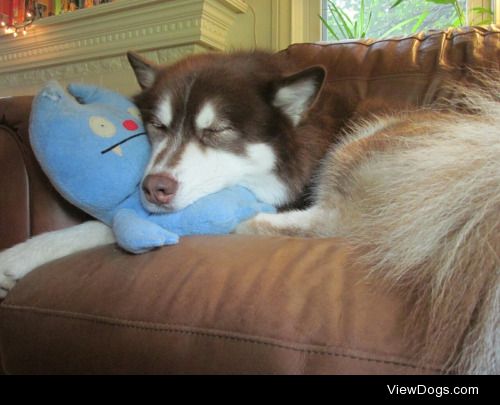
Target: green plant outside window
<point>352,19</point>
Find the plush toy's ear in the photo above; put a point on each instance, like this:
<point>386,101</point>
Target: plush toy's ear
<point>293,95</point>
<point>88,94</point>
<point>84,93</point>
<point>52,98</point>
<point>144,70</point>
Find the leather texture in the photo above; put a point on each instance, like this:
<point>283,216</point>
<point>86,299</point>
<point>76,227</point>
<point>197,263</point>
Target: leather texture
<point>232,304</point>
<point>257,305</point>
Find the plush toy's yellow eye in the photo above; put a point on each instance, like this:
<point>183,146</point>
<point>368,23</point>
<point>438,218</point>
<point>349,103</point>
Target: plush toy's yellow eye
<point>102,127</point>
<point>134,111</point>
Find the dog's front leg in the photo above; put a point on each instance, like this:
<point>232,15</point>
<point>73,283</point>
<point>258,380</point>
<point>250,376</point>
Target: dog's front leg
<point>314,222</point>
<point>19,260</point>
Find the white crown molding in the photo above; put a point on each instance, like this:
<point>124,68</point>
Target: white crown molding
<point>237,6</point>
<point>87,69</point>
<point>96,39</point>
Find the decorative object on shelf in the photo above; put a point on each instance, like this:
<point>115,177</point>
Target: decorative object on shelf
<point>16,16</point>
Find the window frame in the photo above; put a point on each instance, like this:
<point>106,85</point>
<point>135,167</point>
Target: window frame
<point>295,21</point>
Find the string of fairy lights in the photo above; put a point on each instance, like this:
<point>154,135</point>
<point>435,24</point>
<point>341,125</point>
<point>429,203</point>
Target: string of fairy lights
<point>16,29</point>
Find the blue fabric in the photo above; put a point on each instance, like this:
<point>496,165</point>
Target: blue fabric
<point>92,146</point>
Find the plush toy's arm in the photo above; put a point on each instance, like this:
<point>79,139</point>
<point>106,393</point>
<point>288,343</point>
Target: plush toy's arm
<point>139,235</point>
<point>215,214</point>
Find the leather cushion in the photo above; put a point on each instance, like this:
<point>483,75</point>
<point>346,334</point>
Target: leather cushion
<point>257,305</point>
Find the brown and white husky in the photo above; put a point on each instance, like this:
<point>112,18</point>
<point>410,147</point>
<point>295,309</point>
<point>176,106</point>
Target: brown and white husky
<point>417,194</point>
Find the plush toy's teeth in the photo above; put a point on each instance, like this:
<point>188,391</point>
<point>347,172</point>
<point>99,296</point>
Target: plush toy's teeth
<point>118,150</point>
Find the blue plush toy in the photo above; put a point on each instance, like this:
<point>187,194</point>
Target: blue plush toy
<point>92,145</point>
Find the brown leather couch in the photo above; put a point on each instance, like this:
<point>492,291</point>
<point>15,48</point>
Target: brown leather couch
<point>225,304</point>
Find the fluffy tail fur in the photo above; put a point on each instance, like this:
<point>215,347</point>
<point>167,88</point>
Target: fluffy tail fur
<point>427,219</point>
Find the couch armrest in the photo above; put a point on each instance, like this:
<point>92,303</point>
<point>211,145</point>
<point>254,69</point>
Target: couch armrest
<point>29,204</point>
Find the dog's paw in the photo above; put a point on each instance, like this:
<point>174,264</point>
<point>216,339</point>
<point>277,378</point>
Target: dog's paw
<point>15,263</point>
<point>6,284</point>
<point>246,228</point>
<point>7,269</point>
<point>258,225</point>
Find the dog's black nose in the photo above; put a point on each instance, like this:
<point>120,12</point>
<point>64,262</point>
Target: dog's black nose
<point>159,189</point>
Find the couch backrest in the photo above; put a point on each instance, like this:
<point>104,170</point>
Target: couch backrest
<point>365,76</point>
<point>361,74</point>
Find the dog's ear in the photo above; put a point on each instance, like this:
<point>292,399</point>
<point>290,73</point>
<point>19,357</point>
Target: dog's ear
<point>145,71</point>
<point>294,94</point>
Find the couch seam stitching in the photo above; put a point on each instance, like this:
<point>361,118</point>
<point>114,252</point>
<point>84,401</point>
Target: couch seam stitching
<point>207,333</point>
<point>396,40</point>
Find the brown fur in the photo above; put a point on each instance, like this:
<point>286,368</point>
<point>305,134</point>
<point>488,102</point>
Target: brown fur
<point>248,106</point>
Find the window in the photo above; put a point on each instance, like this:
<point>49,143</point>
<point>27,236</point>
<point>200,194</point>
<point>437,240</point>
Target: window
<point>343,19</point>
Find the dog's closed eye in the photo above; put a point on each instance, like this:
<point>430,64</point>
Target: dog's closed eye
<point>218,134</point>
<point>223,133</point>
<point>155,122</point>
<point>217,130</point>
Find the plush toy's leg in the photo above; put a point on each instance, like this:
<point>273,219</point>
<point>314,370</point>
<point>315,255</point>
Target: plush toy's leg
<point>138,235</point>
<point>21,259</point>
